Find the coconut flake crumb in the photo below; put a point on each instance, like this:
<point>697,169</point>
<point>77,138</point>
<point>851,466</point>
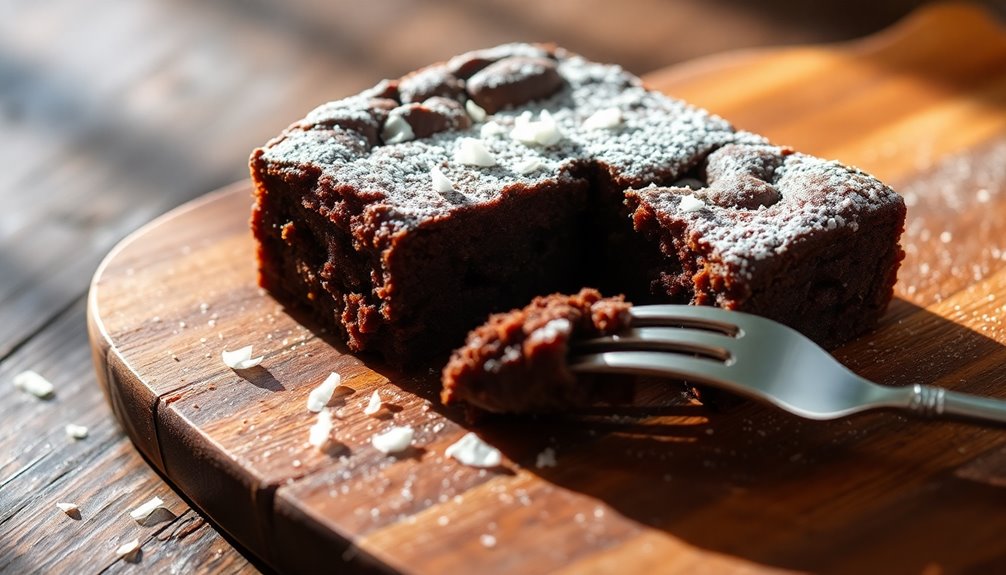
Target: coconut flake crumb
<point>545,459</point>
<point>74,431</point>
<point>472,152</point>
<point>31,382</point>
<point>529,166</point>
<point>604,119</point>
<point>129,551</point>
<point>491,129</point>
<point>470,450</point>
<point>240,358</point>
<point>690,203</point>
<point>487,540</point>
<point>394,440</point>
<point>396,130</point>
<point>440,182</point>
<point>70,509</point>
<point>475,112</point>
<point>321,395</point>
<point>321,432</point>
<point>374,405</point>
<point>541,132</point>
<point>151,512</point>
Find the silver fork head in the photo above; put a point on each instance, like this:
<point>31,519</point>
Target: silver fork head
<point>739,352</point>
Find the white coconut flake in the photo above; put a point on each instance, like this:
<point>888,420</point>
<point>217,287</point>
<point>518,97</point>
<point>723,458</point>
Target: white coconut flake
<point>472,152</point>
<point>394,440</point>
<point>240,358</point>
<point>604,119</point>
<point>128,551</point>
<point>487,540</point>
<point>75,431</point>
<point>529,166</point>
<point>374,405</point>
<point>321,395</point>
<point>545,459</point>
<point>321,432</point>
<point>491,129</point>
<point>470,450</point>
<point>551,331</point>
<point>440,182</point>
<point>70,509</point>
<point>690,203</point>
<point>144,512</point>
<point>475,112</point>
<point>541,132</point>
<point>30,382</point>
<point>396,130</point>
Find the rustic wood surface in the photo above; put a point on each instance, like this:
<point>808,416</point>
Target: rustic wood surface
<point>115,111</point>
<point>669,485</point>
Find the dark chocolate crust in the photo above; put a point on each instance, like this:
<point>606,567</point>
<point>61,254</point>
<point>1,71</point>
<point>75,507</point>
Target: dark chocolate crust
<point>404,215</point>
<point>516,362</point>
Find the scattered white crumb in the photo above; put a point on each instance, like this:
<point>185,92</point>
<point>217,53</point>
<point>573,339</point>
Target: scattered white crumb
<point>689,203</point>
<point>491,129</point>
<point>144,512</point>
<point>529,166</point>
<point>475,112</point>
<point>440,182</point>
<point>321,395</point>
<point>393,440</point>
<point>472,152</point>
<point>541,132</point>
<point>75,431</point>
<point>488,541</point>
<point>30,382</point>
<point>70,509</point>
<point>946,237</point>
<point>397,130</point>
<point>321,432</point>
<point>374,405</point>
<point>472,451</point>
<point>604,119</point>
<point>240,358</point>
<point>545,459</point>
<point>128,551</point>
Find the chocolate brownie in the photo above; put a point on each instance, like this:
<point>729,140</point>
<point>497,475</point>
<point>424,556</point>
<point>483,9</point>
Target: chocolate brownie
<point>516,362</point>
<point>402,216</point>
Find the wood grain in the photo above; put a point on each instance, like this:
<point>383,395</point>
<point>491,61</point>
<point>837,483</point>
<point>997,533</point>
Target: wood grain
<point>672,487</point>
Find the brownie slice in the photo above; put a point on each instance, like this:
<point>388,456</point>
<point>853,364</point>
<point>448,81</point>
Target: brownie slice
<point>516,362</point>
<point>401,217</point>
<point>804,241</point>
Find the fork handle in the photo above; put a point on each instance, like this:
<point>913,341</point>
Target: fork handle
<point>932,401</point>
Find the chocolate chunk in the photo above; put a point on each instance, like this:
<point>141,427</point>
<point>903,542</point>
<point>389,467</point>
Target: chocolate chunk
<point>743,176</point>
<point>465,65</point>
<point>384,89</point>
<point>514,81</point>
<point>436,114</point>
<point>364,116</point>
<point>429,82</point>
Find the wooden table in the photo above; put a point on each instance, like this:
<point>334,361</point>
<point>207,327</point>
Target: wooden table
<point>115,112</point>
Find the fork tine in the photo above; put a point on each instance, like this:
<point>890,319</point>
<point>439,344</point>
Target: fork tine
<point>679,339</point>
<point>655,364</point>
<point>725,321</point>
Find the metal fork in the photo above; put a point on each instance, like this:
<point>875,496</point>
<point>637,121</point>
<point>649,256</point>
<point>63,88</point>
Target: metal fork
<point>761,359</point>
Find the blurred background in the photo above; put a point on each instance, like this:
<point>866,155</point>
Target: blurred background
<point>114,111</point>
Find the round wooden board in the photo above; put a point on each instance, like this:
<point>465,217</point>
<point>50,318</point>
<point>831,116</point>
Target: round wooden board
<point>666,486</point>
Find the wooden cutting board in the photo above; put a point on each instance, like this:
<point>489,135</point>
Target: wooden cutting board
<point>666,486</point>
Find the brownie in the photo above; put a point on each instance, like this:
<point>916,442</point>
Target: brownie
<point>402,216</point>
<point>516,362</point>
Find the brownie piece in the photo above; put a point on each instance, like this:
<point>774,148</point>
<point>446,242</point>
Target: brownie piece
<point>402,216</point>
<point>516,362</point>
<point>804,241</point>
